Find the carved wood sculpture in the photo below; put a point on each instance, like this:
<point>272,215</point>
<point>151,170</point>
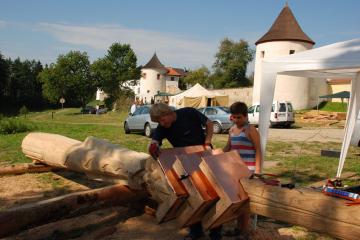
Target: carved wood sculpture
<point>191,184</point>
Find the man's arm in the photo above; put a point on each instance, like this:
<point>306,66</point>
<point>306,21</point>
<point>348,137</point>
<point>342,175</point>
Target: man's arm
<point>209,127</point>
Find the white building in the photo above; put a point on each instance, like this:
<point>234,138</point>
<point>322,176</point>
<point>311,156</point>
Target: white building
<point>155,78</point>
<point>286,37</point>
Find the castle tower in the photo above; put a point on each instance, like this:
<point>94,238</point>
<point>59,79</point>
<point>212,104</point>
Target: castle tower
<point>283,38</point>
<point>152,79</point>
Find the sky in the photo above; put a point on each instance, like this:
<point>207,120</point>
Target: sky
<point>183,33</point>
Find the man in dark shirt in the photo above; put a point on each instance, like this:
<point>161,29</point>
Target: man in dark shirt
<point>182,128</point>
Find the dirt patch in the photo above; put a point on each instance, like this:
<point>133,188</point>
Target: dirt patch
<point>25,188</point>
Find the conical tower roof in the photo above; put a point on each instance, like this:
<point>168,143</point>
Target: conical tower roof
<point>155,63</point>
<point>285,28</point>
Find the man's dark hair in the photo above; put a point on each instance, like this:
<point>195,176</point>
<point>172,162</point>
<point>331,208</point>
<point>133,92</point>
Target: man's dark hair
<point>239,108</point>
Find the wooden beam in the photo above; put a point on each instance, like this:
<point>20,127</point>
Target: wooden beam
<point>304,207</point>
<point>169,207</point>
<point>224,172</point>
<point>69,228</point>
<point>201,194</point>
<point>22,168</point>
<point>19,218</point>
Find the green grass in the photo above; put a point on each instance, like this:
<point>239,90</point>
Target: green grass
<point>333,106</point>
<point>296,161</point>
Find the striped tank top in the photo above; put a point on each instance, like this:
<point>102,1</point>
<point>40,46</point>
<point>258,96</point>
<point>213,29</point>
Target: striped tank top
<point>245,148</point>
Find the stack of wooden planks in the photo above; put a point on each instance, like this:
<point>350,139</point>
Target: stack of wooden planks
<point>205,186</point>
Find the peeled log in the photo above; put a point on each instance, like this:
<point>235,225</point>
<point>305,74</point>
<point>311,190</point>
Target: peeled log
<point>18,218</point>
<point>304,207</point>
<point>95,157</point>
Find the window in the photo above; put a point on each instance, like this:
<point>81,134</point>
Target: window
<point>225,109</point>
<point>172,78</point>
<point>272,108</point>
<point>143,75</point>
<point>292,52</point>
<point>251,109</point>
<point>148,91</point>
<point>158,77</point>
<point>137,111</point>
<point>282,107</point>
<point>145,110</point>
<point>262,54</point>
<point>257,108</point>
<point>210,111</point>
<point>290,108</point>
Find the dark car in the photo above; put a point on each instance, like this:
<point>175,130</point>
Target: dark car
<point>88,110</point>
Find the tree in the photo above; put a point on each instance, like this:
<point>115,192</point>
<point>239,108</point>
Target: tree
<point>4,75</point>
<point>200,75</point>
<point>69,78</point>
<point>112,71</point>
<point>231,63</point>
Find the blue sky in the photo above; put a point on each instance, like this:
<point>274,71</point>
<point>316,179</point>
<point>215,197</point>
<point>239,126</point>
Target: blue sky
<point>183,33</point>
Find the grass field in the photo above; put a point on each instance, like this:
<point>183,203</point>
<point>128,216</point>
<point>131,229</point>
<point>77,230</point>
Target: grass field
<point>300,162</point>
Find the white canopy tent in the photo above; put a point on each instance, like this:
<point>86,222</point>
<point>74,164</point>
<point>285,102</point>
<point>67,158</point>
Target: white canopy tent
<point>197,96</point>
<point>339,60</point>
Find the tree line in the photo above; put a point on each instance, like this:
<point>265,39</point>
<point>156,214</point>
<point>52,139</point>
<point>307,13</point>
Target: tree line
<point>72,77</point>
<point>229,68</point>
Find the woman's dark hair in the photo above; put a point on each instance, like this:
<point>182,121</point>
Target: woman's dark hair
<point>239,108</point>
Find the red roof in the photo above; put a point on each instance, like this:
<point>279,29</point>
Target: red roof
<point>175,71</point>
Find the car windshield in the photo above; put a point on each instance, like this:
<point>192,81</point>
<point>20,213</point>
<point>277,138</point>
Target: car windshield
<point>225,109</point>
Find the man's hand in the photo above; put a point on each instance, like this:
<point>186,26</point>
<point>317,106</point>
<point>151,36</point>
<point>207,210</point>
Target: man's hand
<point>154,149</point>
<point>208,146</point>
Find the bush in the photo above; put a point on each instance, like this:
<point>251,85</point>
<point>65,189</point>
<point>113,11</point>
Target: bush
<point>13,125</point>
<point>24,111</point>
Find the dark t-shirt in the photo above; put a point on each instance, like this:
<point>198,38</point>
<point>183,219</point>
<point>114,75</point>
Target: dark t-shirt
<point>186,130</point>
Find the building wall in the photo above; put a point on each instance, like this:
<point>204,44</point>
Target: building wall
<point>236,94</point>
<point>150,85</point>
<point>294,89</point>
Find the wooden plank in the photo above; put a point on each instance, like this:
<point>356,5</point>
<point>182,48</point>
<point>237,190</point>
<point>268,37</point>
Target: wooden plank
<point>304,207</point>
<point>201,194</point>
<point>224,172</point>
<point>26,168</point>
<point>16,219</point>
<point>169,208</point>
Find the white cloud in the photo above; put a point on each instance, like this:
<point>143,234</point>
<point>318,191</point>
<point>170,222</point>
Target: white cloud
<point>172,49</point>
<point>3,24</point>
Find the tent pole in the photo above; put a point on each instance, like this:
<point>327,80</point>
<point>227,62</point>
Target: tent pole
<point>317,106</point>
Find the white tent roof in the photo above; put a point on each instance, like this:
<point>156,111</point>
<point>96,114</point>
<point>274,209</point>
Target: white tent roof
<point>197,91</point>
<point>339,60</point>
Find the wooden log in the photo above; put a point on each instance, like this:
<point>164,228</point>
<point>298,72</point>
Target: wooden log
<point>18,218</point>
<point>304,207</point>
<point>224,172</point>
<point>201,194</point>
<point>71,227</point>
<point>26,168</point>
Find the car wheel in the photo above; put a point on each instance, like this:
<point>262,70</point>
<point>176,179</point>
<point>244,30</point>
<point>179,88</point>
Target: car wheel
<point>217,127</point>
<point>126,128</point>
<point>147,130</point>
